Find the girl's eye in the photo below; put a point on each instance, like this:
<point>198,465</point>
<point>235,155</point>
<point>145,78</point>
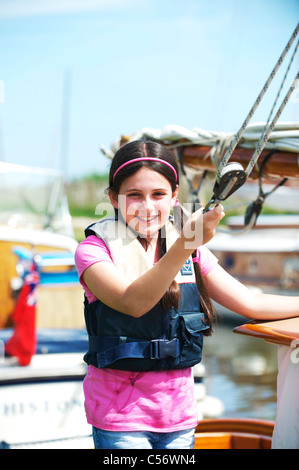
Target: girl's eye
<point>133,195</point>
<point>137,195</point>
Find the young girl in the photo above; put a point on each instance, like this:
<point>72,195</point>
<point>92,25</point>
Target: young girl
<point>148,285</point>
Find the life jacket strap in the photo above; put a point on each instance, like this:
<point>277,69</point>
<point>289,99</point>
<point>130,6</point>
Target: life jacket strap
<point>110,349</point>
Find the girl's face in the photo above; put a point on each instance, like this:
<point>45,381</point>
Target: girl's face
<point>144,201</point>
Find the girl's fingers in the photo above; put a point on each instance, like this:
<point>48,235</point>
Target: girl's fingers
<point>201,227</point>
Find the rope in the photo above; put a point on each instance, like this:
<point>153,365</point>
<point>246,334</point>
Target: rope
<point>254,209</point>
<point>223,187</point>
<point>282,83</point>
<point>246,229</point>
<point>277,97</point>
<point>239,134</point>
<point>261,144</point>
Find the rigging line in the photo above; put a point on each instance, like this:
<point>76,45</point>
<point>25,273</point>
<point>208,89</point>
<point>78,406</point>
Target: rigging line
<point>261,144</point>
<point>241,231</point>
<point>261,170</point>
<point>278,94</point>
<point>282,83</point>
<point>280,89</point>
<point>238,135</point>
<point>262,194</point>
<point>254,209</point>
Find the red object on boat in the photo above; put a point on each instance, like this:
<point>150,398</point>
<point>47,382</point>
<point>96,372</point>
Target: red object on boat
<point>22,344</point>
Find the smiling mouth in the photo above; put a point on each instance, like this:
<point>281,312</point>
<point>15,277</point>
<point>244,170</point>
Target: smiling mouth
<point>147,219</point>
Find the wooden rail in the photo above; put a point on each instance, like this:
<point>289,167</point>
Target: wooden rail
<point>233,434</point>
<point>282,332</point>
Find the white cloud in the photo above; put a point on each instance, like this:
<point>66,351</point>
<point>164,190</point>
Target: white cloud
<point>14,8</point>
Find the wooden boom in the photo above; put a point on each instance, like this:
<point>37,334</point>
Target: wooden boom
<point>280,164</point>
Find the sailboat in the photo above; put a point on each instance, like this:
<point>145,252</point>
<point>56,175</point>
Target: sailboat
<point>42,333</point>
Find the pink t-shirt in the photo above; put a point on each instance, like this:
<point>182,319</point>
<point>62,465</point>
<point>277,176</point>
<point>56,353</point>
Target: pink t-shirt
<point>118,400</point>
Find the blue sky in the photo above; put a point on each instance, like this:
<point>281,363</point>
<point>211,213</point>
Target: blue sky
<point>132,64</point>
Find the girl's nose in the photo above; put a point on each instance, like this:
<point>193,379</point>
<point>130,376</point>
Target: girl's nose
<point>148,203</point>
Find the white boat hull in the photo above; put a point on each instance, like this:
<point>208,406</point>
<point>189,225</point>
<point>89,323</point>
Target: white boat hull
<point>44,415</point>
<point>42,404</point>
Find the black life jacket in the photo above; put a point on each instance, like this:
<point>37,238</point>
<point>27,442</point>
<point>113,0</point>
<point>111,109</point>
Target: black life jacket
<point>159,340</point>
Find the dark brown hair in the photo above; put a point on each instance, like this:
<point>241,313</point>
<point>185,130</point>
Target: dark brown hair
<point>143,149</point>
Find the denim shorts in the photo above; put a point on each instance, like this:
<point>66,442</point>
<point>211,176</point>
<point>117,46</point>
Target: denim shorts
<point>143,439</point>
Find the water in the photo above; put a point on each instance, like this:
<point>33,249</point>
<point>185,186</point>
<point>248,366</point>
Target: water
<point>241,372</point>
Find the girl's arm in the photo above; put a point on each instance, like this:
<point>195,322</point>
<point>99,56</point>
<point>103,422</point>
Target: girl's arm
<point>109,285</point>
<point>233,295</point>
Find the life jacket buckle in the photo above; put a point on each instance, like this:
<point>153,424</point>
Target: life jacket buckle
<point>155,349</point>
<point>163,348</point>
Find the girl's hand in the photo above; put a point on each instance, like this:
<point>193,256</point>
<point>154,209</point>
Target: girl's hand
<point>201,227</point>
